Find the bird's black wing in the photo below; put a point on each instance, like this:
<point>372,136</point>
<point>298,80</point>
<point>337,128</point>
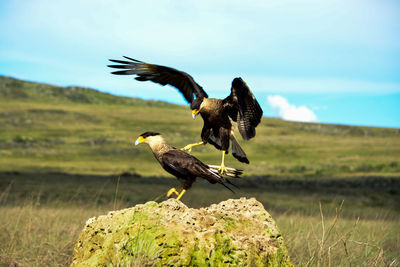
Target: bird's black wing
<point>161,75</point>
<point>243,108</point>
<point>180,163</point>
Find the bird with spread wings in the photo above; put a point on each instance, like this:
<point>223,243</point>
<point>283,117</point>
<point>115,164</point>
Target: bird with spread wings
<point>240,106</point>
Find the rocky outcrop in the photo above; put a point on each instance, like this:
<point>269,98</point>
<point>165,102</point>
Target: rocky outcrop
<point>236,232</point>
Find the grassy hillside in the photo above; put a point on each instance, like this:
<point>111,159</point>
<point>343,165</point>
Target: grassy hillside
<point>301,172</point>
<point>79,130</point>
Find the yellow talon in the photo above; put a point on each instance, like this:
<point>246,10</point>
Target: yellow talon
<point>222,169</point>
<point>173,191</point>
<point>189,147</point>
<point>183,192</point>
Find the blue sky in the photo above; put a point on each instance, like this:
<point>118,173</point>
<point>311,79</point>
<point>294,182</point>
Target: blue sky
<point>310,60</point>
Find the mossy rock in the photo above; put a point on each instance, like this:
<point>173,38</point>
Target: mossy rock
<point>236,232</point>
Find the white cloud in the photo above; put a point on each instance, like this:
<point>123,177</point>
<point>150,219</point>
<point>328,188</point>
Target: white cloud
<point>288,111</point>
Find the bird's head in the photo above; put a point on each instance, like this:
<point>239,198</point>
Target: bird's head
<point>148,137</point>
<point>196,106</point>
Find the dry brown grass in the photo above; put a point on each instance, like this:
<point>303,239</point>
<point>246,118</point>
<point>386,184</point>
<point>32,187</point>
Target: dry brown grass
<point>32,235</point>
<point>40,236</point>
<point>42,216</point>
<point>335,241</point>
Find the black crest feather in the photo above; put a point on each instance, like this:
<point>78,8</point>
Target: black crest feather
<point>147,134</point>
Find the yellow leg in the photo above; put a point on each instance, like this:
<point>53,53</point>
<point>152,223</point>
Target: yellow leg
<point>189,147</point>
<point>222,168</point>
<point>173,191</point>
<point>181,194</point>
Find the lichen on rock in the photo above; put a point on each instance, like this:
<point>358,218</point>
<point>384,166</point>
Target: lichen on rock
<point>236,232</point>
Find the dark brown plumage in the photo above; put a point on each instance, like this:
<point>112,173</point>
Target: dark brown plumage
<point>161,75</point>
<point>185,167</point>
<point>240,106</point>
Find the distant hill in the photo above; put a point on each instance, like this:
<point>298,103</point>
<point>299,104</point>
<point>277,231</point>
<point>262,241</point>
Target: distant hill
<point>14,89</point>
<point>48,128</point>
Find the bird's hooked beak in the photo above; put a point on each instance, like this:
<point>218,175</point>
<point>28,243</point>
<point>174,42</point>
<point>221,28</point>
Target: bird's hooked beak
<point>140,140</point>
<point>194,113</point>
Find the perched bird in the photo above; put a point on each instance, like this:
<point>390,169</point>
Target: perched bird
<point>241,106</point>
<point>182,165</point>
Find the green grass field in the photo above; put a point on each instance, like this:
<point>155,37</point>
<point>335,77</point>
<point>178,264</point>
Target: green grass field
<point>76,130</point>
<point>63,151</point>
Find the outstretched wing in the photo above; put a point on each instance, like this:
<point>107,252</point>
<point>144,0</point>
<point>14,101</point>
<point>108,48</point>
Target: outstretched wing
<point>161,75</point>
<point>243,108</point>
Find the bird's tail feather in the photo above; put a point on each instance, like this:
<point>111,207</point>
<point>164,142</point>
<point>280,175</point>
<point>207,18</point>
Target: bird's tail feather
<point>230,189</point>
<point>230,172</point>
<point>237,151</point>
<point>229,182</point>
